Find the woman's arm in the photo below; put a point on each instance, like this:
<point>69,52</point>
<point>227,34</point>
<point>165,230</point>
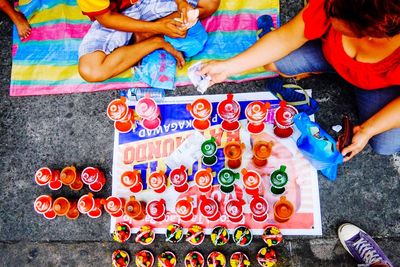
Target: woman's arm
<point>386,119</point>
<point>121,22</point>
<point>270,48</point>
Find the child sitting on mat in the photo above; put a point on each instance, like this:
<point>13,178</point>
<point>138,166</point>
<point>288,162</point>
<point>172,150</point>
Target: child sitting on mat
<point>360,40</point>
<point>105,50</point>
<point>23,27</point>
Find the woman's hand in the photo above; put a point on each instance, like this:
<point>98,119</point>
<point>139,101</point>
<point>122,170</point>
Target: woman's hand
<point>359,141</point>
<point>171,28</point>
<point>217,70</point>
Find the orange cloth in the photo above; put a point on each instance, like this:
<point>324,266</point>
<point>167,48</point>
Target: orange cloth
<point>93,8</point>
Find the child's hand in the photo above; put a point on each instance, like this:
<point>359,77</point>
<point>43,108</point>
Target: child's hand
<point>180,60</point>
<point>170,49</point>
<point>216,70</point>
<point>359,141</point>
<point>171,28</point>
<point>183,8</point>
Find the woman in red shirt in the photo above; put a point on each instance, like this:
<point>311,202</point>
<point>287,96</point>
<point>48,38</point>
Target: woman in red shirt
<point>359,39</point>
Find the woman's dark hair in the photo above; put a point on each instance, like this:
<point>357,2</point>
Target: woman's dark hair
<point>372,18</point>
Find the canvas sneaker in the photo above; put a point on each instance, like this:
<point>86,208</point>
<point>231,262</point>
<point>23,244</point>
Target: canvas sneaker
<point>361,246</point>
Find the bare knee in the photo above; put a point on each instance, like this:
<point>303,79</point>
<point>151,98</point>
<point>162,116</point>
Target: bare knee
<point>91,72</point>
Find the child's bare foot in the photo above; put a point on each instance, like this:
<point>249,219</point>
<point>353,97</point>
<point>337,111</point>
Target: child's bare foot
<point>22,24</point>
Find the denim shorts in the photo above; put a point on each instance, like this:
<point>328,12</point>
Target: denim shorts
<point>307,59</point>
<point>310,59</point>
<point>99,38</point>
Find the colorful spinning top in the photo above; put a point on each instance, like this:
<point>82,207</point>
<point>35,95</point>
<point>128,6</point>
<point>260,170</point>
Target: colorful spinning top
<point>216,259</point>
<point>209,149</point>
<point>266,257</point>
<point>174,233</point>
<point>178,178</point>
<point>272,236</point>
<point>242,236</point>
<point>203,178</point>
<point>233,152</point>
<point>144,258</point>
<point>86,203</point>
<point>118,110</point>
<point>145,235</point>
<point>209,208</point>
<point>227,179</point>
<point>166,259</point>
<point>44,205</point>
<point>239,259</point>
<point>132,180</point>
<point>284,116</point>
<point>114,206</point>
<point>195,235</point>
<point>194,259</point>
<point>261,152</point>
<point>43,176</point>
<point>157,181</point>
<point>147,109</point>
<point>156,209</point>
<point>184,208</point>
<point>122,232</point>
<point>279,179</point>
<point>201,110</point>
<point>259,209</point>
<point>120,258</point>
<point>283,210</point>
<point>251,181</point>
<point>219,236</point>
<point>68,175</point>
<point>256,112</point>
<point>234,209</point>
<point>135,209</point>
<point>229,111</point>
<point>94,178</point>
<point>61,206</point>
<point>123,117</point>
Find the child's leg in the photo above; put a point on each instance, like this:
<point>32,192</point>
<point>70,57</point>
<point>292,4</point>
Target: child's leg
<point>23,27</point>
<point>105,53</point>
<point>370,102</point>
<point>98,66</point>
<point>306,60</point>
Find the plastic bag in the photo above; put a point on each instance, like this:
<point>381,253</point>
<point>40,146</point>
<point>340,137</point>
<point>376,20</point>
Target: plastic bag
<point>158,69</point>
<point>318,146</point>
<point>193,43</point>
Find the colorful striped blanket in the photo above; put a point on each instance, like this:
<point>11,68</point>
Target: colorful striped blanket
<point>47,62</point>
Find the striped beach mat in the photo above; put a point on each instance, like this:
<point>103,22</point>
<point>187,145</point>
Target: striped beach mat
<point>47,62</point>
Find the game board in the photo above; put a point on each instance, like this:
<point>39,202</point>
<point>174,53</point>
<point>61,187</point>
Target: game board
<point>147,151</point>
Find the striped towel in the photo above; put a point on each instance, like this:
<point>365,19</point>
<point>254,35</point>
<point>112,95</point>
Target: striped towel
<point>47,63</point>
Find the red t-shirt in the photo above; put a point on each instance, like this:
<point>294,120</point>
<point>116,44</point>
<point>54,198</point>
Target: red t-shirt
<point>367,76</point>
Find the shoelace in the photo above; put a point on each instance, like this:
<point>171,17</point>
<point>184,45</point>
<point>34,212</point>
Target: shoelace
<point>367,252</point>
